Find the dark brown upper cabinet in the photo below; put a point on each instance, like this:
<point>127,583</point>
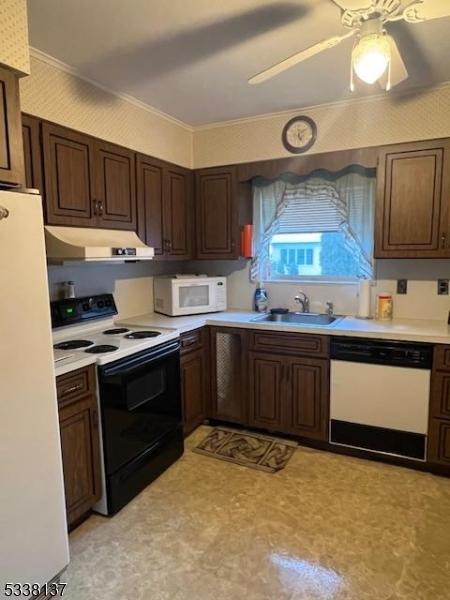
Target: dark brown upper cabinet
<point>115,193</point>
<point>11,148</point>
<point>69,177</point>
<point>413,196</point>
<point>177,212</point>
<point>150,178</point>
<point>32,152</point>
<point>217,213</point>
<point>88,183</point>
<point>165,206</point>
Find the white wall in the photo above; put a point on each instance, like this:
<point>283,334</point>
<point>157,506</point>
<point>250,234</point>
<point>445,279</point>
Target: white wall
<point>54,93</point>
<point>131,284</point>
<point>421,301</point>
<point>385,119</point>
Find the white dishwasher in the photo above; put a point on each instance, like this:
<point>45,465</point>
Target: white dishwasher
<point>379,395</point>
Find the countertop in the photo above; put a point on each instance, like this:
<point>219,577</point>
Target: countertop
<point>418,330</point>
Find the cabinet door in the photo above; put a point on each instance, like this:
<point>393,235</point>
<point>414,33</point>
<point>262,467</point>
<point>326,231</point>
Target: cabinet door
<point>81,456</point>
<point>177,237</point>
<point>412,200</point>
<point>228,400</point>
<point>11,146</point>
<point>68,176</point>
<point>193,388</point>
<point>150,174</point>
<point>217,216</point>
<point>266,378</point>
<point>115,186</point>
<point>308,398</point>
<point>439,442</point>
<point>32,152</point>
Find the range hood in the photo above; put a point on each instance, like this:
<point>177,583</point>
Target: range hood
<point>90,245</point>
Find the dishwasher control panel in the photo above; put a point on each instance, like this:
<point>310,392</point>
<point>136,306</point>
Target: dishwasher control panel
<point>382,352</point>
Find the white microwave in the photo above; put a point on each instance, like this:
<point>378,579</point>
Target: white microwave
<point>189,296</point>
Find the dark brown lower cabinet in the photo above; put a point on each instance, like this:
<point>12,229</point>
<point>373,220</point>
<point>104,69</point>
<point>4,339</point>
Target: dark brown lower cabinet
<point>439,442</point>
<point>80,446</point>
<point>228,400</point>
<point>194,378</point>
<point>289,394</point>
<point>308,397</point>
<point>439,418</point>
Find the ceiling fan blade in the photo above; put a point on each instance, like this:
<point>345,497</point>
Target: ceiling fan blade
<point>425,10</point>
<point>299,57</point>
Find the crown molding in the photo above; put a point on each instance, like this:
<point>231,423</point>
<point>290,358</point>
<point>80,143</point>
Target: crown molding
<point>384,96</point>
<point>62,66</point>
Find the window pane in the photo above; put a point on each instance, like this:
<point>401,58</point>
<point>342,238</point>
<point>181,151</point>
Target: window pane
<point>314,254</point>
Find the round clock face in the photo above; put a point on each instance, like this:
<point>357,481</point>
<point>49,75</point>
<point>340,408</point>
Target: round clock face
<point>299,134</point>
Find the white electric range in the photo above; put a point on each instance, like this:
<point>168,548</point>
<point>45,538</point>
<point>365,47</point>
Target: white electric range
<point>106,341</point>
<point>138,392</point>
<point>85,328</point>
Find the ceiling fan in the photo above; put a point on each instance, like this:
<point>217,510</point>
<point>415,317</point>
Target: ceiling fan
<point>375,55</point>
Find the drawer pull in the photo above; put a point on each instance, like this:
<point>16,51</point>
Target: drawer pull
<point>189,342</point>
<point>72,389</point>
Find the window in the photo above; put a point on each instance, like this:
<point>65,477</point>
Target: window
<point>315,227</point>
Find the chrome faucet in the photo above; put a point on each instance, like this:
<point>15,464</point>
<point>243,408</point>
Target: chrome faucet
<point>330,309</point>
<point>303,300</point>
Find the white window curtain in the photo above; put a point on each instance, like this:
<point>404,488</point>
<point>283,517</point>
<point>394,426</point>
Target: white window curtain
<point>322,202</point>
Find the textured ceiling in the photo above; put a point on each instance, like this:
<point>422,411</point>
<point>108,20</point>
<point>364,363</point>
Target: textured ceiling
<point>192,58</point>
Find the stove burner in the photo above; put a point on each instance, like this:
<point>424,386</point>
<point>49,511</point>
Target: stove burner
<point>116,331</point>
<point>72,344</point>
<point>141,335</point>
<point>102,348</point>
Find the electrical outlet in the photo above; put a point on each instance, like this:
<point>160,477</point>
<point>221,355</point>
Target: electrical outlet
<point>442,287</point>
<point>402,286</point>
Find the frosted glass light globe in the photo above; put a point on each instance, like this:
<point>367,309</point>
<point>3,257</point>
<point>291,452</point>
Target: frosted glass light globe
<point>371,57</point>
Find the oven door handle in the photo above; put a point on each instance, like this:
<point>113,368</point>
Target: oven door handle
<point>138,362</point>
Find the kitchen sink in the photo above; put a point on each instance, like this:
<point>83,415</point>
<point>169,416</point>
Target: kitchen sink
<point>297,318</point>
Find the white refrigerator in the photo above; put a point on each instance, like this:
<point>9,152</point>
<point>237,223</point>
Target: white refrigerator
<point>33,533</point>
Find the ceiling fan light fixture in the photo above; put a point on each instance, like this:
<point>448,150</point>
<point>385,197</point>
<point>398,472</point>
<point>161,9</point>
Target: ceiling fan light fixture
<point>371,57</point>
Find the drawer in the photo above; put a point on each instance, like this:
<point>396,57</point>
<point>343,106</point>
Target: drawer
<point>298,344</point>
<point>439,442</point>
<point>192,340</point>
<point>76,384</point>
<point>441,359</point>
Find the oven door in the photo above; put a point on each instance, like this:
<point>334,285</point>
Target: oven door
<point>140,403</point>
<point>192,298</point>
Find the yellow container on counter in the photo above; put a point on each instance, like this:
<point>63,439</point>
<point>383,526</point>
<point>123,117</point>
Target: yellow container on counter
<point>385,307</point>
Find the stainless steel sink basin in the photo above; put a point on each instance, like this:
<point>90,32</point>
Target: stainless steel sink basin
<point>296,318</point>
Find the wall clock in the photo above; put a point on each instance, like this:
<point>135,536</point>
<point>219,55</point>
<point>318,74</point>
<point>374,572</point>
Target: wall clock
<point>299,134</point>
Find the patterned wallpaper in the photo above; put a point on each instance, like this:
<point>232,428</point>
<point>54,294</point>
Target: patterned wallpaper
<point>53,93</point>
<point>386,119</point>
<point>14,35</point>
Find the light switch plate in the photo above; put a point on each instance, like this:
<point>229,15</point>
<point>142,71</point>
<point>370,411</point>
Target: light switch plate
<point>442,287</point>
<point>402,286</point>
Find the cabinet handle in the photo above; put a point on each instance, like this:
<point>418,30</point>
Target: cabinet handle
<point>100,207</point>
<point>72,389</point>
<point>443,240</point>
<point>95,202</point>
